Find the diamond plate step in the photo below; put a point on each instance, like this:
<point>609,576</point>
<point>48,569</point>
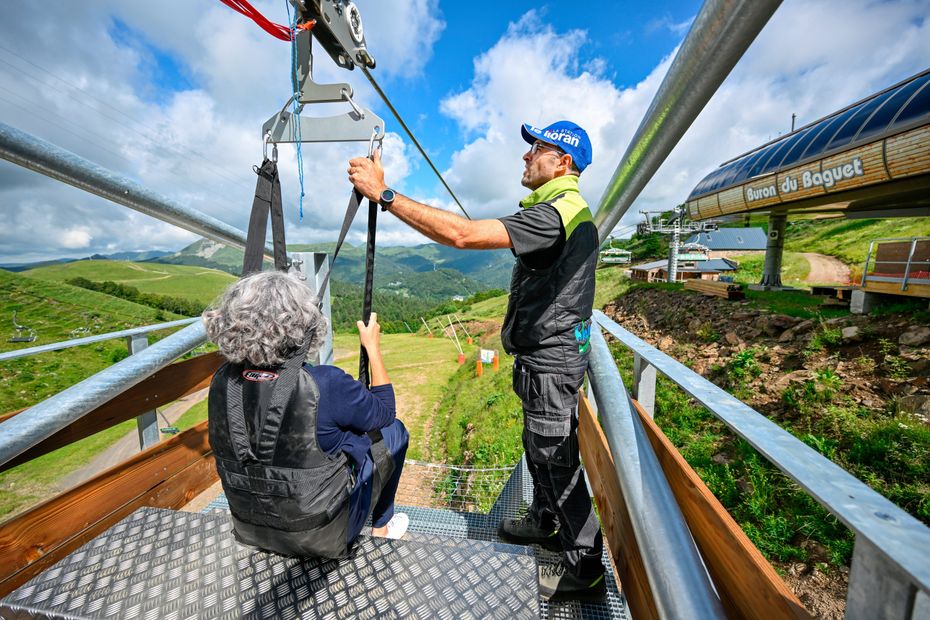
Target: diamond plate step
<point>172,565</point>
<point>456,528</point>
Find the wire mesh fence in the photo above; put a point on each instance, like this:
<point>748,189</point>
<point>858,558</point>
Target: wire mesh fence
<point>464,489</point>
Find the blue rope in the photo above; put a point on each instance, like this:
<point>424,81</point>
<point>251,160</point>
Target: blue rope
<point>296,109</point>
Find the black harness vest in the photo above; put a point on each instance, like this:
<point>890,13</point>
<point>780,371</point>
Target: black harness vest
<point>286,495</point>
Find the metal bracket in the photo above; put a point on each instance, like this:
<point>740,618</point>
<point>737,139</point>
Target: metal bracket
<point>355,126</point>
<point>338,28</point>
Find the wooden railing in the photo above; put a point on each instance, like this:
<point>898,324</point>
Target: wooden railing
<point>167,475</point>
<point>747,584</point>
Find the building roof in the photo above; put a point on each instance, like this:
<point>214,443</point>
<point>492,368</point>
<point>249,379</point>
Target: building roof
<point>703,266</point>
<point>891,111</point>
<point>731,239</point>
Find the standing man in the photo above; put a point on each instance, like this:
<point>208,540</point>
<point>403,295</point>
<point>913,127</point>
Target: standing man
<point>547,329</point>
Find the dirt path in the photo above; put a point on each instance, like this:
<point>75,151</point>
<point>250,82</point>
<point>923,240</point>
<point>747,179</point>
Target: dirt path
<point>128,445</point>
<point>826,269</point>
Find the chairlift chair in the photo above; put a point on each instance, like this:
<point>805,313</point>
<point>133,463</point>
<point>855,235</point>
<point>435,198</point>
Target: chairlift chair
<point>23,333</point>
<point>81,331</point>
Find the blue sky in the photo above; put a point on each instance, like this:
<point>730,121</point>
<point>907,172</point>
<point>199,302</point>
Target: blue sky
<point>632,38</point>
<point>173,94</point>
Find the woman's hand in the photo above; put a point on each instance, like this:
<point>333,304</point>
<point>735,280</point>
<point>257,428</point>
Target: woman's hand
<point>370,335</point>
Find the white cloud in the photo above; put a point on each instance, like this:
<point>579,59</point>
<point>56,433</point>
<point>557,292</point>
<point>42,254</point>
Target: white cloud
<point>75,238</point>
<point>401,34</point>
<point>79,88</point>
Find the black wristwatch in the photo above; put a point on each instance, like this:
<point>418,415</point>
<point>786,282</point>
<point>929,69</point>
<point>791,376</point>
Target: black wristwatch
<point>387,198</point>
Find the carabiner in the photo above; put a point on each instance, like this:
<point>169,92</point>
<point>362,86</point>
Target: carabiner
<point>274,148</point>
<point>371,141</point>
<point>348,97</point>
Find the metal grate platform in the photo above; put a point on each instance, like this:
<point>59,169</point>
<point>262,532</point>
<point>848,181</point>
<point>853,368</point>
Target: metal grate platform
<point>171,565</point>
<point>454,526</point>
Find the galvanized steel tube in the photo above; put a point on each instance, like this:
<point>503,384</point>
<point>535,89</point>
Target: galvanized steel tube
<point>679,582</point>
<point>52,161</point>
<point>30,427</point>
<point>720,34</point>
<point>66,344</point>
<point>902,537</point>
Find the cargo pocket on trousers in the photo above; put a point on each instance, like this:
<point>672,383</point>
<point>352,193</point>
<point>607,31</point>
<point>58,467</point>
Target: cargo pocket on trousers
<point>531,388</point>
<point>560,451</point>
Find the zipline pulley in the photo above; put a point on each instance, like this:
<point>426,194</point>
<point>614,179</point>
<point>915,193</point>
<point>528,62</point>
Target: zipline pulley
<point>337,25</point>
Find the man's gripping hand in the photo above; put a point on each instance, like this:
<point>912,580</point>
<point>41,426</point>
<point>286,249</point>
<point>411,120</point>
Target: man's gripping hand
<point>368,176</point>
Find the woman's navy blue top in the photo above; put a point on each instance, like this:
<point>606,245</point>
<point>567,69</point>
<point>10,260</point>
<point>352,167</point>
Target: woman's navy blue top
<point>347,411</point>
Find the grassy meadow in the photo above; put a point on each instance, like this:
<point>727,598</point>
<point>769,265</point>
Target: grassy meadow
<point>58,312</point>
<point>195,283</point>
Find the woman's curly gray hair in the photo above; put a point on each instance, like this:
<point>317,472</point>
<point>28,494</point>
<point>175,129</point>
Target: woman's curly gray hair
<point>262,319</point>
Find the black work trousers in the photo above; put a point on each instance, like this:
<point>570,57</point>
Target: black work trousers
<point>550,439</point>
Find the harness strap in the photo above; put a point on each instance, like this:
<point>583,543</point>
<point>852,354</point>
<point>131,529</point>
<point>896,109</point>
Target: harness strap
<point>267,198</point>
<point>383,465</point>
<point>271,424</point>
<point>355,200</point>
<point>363,375</point>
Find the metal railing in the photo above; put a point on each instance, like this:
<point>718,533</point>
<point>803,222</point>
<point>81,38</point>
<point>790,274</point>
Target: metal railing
<point>66,344</point>
<point>720,34</point>
<point>43,420</point>
<point>680,585</point>
<point>892,270</point>
<point>45,158</point>
<point>890,572</point>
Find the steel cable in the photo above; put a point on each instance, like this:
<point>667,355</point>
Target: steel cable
<point>416,142</point>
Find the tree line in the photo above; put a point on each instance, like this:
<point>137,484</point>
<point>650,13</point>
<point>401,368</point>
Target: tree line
<point>393,309</point>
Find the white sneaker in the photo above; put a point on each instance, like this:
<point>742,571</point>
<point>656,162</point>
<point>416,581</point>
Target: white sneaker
<point>397,526</point>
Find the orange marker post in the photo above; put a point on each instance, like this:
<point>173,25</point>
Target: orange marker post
<point>461,358</point>
<point>479,368</point>
<point>497,363</point>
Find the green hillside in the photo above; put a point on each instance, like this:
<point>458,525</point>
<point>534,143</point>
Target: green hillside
<point>195,283</point>
<point>55,310</point>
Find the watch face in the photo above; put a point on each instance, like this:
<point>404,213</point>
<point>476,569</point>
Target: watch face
<point>387,195</point>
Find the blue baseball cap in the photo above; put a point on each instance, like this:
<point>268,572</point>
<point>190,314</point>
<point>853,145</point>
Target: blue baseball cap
<point>567,136</point>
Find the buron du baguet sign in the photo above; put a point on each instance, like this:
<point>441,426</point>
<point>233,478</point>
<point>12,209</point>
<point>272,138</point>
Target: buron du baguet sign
<point>826,178</point>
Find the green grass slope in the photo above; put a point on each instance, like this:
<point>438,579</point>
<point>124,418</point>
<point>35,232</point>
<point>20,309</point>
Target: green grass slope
<point>195,283</point>
<point>54,310</point>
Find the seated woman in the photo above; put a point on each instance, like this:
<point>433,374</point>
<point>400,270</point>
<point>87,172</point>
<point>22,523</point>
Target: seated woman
<point>305,453</point>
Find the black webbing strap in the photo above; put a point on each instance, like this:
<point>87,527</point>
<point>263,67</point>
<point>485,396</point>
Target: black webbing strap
<point>271,425</point>
<point>267,198</point>
<point>363,375</point>
<point>355,200</point>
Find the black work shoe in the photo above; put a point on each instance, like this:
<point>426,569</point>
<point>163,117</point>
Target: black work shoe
<point>525,532</point>
<point>556,583</point>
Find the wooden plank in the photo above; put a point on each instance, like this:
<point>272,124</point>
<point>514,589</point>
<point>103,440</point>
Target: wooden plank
<point>167,475</point>
<point>726,290</point>
<point>168,384</point>
<point>894,288</point>
<point>909,153</point>
<point>748,585</point>
<point>614,514</point>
